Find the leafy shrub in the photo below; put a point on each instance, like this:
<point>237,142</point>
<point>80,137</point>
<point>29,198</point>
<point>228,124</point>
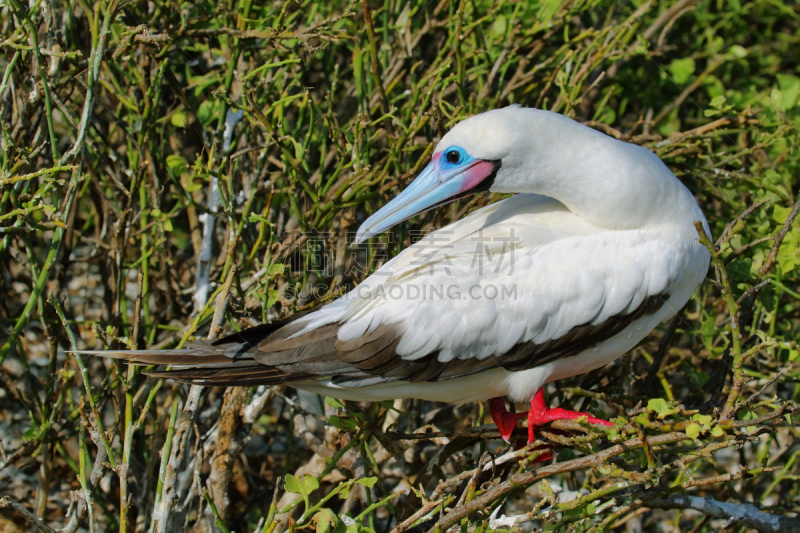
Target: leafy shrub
<point>170,170</point>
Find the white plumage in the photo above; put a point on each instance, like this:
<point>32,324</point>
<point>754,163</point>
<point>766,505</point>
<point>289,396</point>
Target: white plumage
<point>597,249</point>
<point>621,229</point>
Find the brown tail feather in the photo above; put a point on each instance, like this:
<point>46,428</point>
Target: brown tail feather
<point>203,373</point>
<point>262,355</point>
<point>273,375</point>
<point>178,357</point>
<point>251,380</point>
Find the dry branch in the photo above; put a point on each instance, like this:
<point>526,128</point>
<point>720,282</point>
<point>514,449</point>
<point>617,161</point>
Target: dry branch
<point>746,515</point>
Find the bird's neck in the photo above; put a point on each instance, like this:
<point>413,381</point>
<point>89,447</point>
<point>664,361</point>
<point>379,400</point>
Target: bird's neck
<point>606,182</point>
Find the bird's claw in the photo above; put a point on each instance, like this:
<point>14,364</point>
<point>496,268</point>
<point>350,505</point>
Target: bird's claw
<point>538,415</point>
<point>505,421</point>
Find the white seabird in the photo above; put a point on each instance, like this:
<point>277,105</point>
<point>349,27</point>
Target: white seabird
<point>598,248</point>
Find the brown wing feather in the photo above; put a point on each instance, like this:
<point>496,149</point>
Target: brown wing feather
<point>355,344</point>
<point>280,341</point>
<point>523,356</point>
<point>255,334</point>
<point>373,353</point>
<point>267,355</point>
<point>378,359</point>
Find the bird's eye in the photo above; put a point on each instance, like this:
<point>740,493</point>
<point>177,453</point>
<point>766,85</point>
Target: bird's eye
<point>453,156</point>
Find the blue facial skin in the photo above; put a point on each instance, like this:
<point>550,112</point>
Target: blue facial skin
<point>444,178</point>
<point>448,159</point>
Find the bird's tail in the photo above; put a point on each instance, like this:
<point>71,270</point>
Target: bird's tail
<point>228,361</point>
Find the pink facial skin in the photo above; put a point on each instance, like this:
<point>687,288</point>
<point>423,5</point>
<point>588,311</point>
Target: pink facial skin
<point>477,173</point>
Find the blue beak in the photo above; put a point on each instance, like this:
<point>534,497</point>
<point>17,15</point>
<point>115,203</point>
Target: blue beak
<point>438,184</point>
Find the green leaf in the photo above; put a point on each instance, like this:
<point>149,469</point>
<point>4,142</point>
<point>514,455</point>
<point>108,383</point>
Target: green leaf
<point>193,186</point>
<point>790,91</point>
<point>499,26</point>
<point>176,163</point>
<point>789,252</point>
<point>773,177</point>
<point>548,9</point>
<point>704,420</point>
<point>344,489</point>
<point>714,86</point>
<point>739,269</point>
<point>208,111</point>
<point>693,430</point>
<point>717,101</point>
<point>353,528</point>
<point>275,269</point>
<point>738,51</point>
<point>697,377</point>
<point>642,458</point>
<point>777,97</point>
<point>299,152</point>
<point>345,423</point>
<point>304,487</point>
<point>335,421</point>
<point>717,431</point>
<point>780,214</point>
<point>670,125</point>
<point>333,402</point>
<point>272,297</point>
<point>607,116</point>
<point>178,119</point>
<point>368,482</point>
<point>767,296</point>
<point>325,521</point>
<point>788,261</point>
<point>661,407</point>
<point>681,70</point>
<point>717,106</point>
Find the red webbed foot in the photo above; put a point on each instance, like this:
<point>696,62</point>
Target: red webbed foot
<point>505,421</point>
<point>538,415</point>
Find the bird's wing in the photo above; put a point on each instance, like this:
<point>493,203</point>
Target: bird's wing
<point>515,285</point>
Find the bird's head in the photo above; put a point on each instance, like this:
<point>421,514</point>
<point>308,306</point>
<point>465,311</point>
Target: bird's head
<point>522,150</point>
<point>467,160</point>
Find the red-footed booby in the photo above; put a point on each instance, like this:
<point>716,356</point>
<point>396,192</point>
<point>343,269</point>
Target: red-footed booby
<point>598,248</point>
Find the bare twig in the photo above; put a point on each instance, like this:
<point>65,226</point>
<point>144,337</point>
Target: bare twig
<point>7,503</point>
<point>95,60</point>
<point>228,446</point>
<point>745,514</point>
<point>26,449</point>
<point>181,440</point>
<point>773,254</point>
<point>528,478</point>
<point>737,223</point>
